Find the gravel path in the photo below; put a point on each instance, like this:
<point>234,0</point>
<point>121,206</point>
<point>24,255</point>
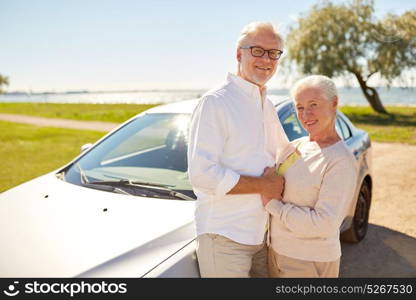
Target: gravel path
<point>62,123</point>
<point>389,249</point>
<point>394,203</point>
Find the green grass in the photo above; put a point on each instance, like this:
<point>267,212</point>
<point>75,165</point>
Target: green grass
<point>29,151</point>
<point>399,126</point>
<point>86,112</point>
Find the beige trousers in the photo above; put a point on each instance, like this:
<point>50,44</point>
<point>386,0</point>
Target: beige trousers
<point>287,267</point>
<point>219,256</point>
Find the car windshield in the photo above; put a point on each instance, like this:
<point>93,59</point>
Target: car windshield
<point>151,149</point>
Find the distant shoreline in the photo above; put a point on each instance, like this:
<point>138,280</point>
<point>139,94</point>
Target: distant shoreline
<point>135,104</point>
<point>348,96</point>
<point>106,92</point>
<point>99,92</point>
<point>386,105</point>
<point>272,90</point>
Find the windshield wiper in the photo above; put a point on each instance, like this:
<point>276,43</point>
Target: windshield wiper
<point>85,182</point>
<point>146,185</point>
<point>107,188</point>
<point>130,182</point>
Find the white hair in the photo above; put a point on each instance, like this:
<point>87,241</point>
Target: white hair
<point>256,27</point>
<point>322,82</point>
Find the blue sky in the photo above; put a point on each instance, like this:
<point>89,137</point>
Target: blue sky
<point>51,45</point>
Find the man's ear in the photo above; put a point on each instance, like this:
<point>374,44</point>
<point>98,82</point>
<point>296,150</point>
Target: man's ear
<point>239,55</point>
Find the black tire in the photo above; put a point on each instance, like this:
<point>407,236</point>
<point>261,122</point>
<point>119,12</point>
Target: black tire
<point>359,225</point>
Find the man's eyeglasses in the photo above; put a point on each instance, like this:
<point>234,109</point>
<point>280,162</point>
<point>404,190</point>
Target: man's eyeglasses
<point>257,51</point>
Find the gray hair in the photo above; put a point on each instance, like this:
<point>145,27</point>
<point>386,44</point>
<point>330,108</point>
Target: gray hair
<point>322,82</point>
<point>255,27</point>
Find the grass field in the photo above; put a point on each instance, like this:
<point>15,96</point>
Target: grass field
<point>399,126</point>
<point>29,151</point>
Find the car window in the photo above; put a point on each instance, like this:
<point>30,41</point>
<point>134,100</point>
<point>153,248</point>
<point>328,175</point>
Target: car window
<point>151,148</point>
<point>292,127</point>
<point>342,128</point>
<point>153,137</point>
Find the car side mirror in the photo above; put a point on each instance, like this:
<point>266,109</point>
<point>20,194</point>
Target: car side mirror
<point>85,147</point>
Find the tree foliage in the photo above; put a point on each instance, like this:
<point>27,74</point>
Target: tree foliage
<point>3,81</point>
<point>337,39</point>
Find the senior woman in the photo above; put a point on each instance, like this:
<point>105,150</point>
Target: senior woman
<point>320,177</point>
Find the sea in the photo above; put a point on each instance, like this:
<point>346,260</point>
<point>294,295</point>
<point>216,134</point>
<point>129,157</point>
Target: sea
<point>348,96</point>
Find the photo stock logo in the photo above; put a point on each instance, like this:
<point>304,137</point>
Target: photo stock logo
<point>69,288</point>
<point>11,289</point>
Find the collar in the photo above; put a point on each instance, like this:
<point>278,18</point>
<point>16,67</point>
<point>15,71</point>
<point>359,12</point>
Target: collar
<point>247,87</point>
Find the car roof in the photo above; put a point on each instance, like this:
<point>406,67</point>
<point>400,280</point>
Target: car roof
<point>188,106</point>
<point>185,107</point>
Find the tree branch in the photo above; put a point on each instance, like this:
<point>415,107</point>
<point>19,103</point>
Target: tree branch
<point>371,74</point>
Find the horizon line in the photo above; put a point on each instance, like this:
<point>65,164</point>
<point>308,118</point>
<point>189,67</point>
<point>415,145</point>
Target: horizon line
<point>81,91</point>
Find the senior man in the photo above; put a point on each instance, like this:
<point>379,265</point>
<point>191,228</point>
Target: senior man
<point>234,136</point>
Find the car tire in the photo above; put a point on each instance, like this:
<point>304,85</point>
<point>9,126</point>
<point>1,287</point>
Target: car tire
<point>359,225</point>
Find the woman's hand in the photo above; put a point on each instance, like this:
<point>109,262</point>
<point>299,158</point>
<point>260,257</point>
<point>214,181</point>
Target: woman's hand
<point>275,182</point>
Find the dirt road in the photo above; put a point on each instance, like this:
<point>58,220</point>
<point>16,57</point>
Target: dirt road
<point>62,123</point>
<point>389,249</point>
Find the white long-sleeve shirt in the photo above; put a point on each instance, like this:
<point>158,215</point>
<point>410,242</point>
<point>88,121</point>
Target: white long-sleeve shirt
<point>319,188</point>
<point>234,131</point>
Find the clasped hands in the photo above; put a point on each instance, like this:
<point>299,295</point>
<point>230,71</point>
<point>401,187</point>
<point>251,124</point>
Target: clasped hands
<point>272,185</point>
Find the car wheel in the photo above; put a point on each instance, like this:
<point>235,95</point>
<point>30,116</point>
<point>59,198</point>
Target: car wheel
<point>359,225</point>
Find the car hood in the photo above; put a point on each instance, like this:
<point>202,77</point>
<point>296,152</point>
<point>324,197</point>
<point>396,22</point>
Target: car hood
<point>51,228</point>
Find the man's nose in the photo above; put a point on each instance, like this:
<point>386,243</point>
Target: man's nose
<point>266,56</point>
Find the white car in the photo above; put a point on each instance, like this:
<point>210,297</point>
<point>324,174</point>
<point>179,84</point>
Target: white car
<point>124,207</point>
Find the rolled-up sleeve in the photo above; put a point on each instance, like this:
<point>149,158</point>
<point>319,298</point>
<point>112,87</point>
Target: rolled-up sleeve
<point>323,220</point>
<point>207,136</point>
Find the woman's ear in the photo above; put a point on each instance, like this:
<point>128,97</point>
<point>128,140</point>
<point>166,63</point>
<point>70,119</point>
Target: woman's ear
<point>335,102</point>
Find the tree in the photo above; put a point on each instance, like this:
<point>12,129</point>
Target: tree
<point>336,40</point>
<point>3,81</point>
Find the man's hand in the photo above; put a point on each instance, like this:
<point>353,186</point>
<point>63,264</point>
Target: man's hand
<point>272,185</point>
<point>269,185</point>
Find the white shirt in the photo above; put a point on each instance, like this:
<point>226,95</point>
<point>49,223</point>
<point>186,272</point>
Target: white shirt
<point>319,188</point>
<point>234,131</point>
